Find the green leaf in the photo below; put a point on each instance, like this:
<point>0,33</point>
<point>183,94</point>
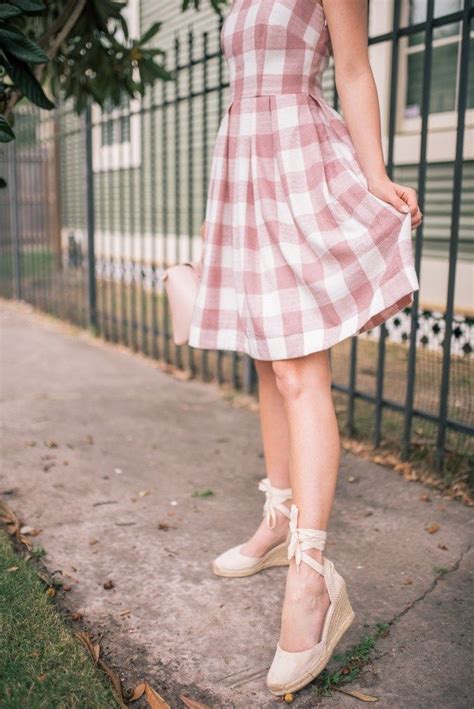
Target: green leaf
<point>29,5</point>
<point>6,133</point>
<point>7,11</point>
<point>20,46</point>
<point>150,33</point>
<point>25,80</point>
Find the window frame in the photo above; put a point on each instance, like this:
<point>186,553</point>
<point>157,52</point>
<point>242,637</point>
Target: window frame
<point>438,121</point>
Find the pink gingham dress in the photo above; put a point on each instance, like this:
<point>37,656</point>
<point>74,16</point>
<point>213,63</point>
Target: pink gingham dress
<point>298,254</point>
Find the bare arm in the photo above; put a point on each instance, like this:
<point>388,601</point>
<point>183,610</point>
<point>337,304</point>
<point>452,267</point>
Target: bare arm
<point>347,24</point>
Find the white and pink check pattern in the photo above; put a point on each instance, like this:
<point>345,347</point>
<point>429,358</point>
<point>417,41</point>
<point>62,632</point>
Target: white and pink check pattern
<point>298,254</point>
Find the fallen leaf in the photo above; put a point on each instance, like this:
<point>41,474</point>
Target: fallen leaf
<point>93,541</point>
<point>164,526</point>
<point>51,592</point>
<point>192,703</point>
<point>125,612</point>
<point>12,568</point>
<point>153,698</point>
<point>66,587</point>
<point>50,443</point>
<point>31,531</point>
<point>288,697</point>
<point>92,648</point>
<point>357,694</point>
<point>407,581</point>
<point>432,528</point>
<point>77,615</point>
<point>41,678</point>
<point>108,585</point>
<point>137,692</point>
<point>424,498</point>
<point>143,493</point>
<point>443,547</point>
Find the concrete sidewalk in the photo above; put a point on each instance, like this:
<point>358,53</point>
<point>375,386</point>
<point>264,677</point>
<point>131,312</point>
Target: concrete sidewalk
<point>105,453</point>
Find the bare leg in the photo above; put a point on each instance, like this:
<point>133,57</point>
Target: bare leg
<point>305,386</point>
<point>274,428</point>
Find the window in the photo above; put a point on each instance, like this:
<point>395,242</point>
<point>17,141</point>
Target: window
<point>446,61</point>
<point>117,129</point>
<point>116,123</point>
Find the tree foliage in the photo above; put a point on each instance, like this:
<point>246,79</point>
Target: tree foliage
<point>77,49</point>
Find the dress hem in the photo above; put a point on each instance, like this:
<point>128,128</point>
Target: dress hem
<point>391,309</point>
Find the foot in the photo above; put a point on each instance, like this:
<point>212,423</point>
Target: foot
<point>265,538</point>
<point>305,606</point>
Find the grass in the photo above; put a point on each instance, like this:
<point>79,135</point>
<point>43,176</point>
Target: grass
<point>351,662</point>
<point>42,664</point>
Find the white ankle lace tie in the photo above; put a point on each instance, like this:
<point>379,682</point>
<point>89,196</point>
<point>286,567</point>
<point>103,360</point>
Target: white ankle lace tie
<point>303,539</point>
<point>275,497</point>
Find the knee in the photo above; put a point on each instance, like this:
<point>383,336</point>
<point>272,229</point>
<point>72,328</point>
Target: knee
<point>289,379</point>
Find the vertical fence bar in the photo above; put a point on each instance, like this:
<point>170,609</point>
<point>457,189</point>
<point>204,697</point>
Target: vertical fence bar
<point>192,364</point>
<point>112,176</point>
<point>143,258</point>
<point>350,428</point>
<point>177,173</point>
<point>397,6</point>
<point>220,90</point>
<point>425,112</point>
<point>155,350</point>
<point>91,280</point>
<point>133,248</point>
<point>204,176</point>
<point>105,169</point>
<point>124,260</point>
<point>454,240</point>
<point>14,220</point>
<point>165,198</point>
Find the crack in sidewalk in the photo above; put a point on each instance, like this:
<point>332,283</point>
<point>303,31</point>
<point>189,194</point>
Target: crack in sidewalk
<point>431,587</point>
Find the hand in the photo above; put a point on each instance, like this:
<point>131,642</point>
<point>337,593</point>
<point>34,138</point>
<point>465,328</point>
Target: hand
<point>402,198</point>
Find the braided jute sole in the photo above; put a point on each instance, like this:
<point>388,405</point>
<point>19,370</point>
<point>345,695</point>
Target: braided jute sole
<point>339,623</point>
<point>275,557</point>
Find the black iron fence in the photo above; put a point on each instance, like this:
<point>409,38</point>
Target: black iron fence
<point>97,206</point>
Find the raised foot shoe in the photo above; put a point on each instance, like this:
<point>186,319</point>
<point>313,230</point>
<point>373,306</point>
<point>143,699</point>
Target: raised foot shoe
<point>232,563</point>
<point>291,671</point>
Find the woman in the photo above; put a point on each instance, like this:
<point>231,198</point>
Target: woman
<point>307,242</point>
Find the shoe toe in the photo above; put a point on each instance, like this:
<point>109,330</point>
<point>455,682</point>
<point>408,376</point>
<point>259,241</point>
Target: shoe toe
<point>288,668</point>
<point>231,560</point>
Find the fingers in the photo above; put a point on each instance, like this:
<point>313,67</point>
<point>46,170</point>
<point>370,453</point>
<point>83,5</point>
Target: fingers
<point>409,197</point>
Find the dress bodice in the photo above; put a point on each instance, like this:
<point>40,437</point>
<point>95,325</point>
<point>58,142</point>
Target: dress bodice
<point>275,46</point>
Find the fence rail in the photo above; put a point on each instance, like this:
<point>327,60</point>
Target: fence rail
<point>98,206</point>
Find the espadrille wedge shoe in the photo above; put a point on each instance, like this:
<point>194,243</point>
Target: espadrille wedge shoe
<point>291,671</point>
<point>233,563</point>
